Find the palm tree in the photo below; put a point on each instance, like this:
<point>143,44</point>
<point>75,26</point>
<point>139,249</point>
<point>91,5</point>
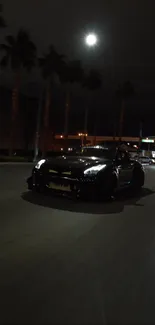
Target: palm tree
<point>72,73</point>
<point>92,82</point>
<point>51,65</point>
<point>20,52</point>
<point>124,92</point>
<point>2,21</point>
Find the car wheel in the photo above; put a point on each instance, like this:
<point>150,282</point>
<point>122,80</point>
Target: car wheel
<point>39,188</point>
<point>108,192</point>
<point>138,178</point>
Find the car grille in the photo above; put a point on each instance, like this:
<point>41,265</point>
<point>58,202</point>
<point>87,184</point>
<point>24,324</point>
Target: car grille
<point>66,174</point>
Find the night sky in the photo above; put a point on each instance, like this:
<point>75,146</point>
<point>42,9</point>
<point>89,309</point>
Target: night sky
<point>126,50</point>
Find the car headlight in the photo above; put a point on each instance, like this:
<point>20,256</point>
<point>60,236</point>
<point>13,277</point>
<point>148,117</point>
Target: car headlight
<point>94,170</point>
<point>40,163</point>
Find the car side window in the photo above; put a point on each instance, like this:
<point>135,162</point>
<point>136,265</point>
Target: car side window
<point>122,157</point>
<point>118,157</point>
<point>125,157</point>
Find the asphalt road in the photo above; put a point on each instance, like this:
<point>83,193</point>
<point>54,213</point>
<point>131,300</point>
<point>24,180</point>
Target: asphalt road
<point>67,262</point>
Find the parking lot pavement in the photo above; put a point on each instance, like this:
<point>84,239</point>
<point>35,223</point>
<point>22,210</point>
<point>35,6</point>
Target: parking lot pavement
<point>67,262</point>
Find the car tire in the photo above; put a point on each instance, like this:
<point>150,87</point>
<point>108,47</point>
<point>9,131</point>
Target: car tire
<point>39,188</point>
<point>138,178</point>
<point>108,192</point>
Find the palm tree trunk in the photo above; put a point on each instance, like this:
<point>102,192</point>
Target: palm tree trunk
<point>121,123</point>
<point>140,135</point>
<point>67,113</point>
<point>86,121</point>
<point>67,109</point>
<point>14,112</point>
<point>114,131</point>
<point>37,135</point>
<point>46,120</point>
<point>95,128</point>
<point>86,125</point>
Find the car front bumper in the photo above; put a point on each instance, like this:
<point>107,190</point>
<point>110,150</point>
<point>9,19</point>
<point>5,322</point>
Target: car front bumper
<point>63,185</point>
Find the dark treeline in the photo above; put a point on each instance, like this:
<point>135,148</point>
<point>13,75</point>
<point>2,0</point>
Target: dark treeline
<point>20,52</point>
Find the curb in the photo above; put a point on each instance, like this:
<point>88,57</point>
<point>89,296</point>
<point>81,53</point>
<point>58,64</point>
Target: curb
<point>17,164</point>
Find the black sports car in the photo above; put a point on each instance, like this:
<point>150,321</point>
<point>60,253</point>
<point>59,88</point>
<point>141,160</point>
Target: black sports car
<point>96,172</point>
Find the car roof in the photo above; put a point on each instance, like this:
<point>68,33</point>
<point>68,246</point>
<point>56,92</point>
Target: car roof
<point>113,148</point>
<point>95,147</point>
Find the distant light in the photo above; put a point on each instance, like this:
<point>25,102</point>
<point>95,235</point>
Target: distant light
<point>135,146</point>
<point>61,136</point>
<point>70,149</point>
<point>148,140</point>
<point>91,40</point>
<point>82,134</point>
<point>128,143</point>
<point>62,149</point>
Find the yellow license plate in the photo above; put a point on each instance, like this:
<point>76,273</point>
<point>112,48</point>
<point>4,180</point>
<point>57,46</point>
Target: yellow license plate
<point>59,187</point>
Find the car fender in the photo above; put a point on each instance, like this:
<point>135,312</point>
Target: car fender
<point>138,167</point>
<point>105,174</point>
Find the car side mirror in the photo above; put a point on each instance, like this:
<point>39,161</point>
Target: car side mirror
<point>125,160</point>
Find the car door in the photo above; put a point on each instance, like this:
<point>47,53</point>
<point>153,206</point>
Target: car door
<point>125,168</point>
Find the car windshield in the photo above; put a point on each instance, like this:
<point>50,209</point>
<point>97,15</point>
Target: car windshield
<point>97,152</point>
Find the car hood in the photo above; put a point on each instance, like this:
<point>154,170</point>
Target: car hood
<point>76,163</point>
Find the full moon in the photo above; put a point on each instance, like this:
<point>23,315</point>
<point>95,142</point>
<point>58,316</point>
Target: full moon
<point>91,39</point>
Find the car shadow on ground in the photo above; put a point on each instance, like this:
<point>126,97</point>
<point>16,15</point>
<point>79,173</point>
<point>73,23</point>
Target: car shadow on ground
<point>126,197</point>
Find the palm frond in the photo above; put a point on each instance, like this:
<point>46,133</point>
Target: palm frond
<point>5,48</point>
<point>2,22</point>
<point>32,46</point>
<point>93,80</point>
<point>51,63</point>
<point>20,50</point>
<point>10,40</point>
<point>72,72</point>
<point>4,61</point>
<point>22,36</point>
<point>41,61</point>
